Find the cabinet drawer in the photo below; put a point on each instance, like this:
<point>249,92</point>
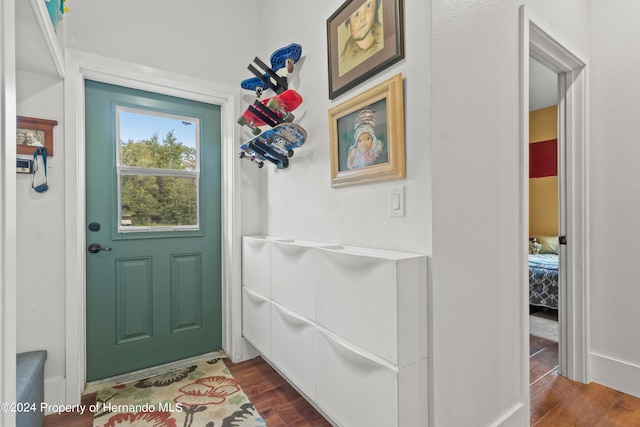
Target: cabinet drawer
<point>256,321</point>
<point>357,300</point>
<point>294,276</point>
<point>354,389</point>
<point>293,348</point>
<point>256,259</point>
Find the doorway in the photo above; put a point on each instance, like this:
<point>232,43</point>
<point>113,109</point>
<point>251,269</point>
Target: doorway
<point>153,212</point>
<point>82,66</point>
<point>573,191</point>
<point>545,205</point>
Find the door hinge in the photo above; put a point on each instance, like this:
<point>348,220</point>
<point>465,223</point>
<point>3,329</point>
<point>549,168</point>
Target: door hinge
<point>562,240</point>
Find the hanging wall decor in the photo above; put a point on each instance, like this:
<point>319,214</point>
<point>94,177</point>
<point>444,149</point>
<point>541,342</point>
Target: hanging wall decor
<point>363,38</point>
<point>366,136</point>
<point>34,133</point>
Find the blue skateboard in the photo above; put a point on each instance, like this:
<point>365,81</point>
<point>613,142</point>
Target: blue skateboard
<point>285,137</point>
<point>284,57</point>
<point>275,145</point>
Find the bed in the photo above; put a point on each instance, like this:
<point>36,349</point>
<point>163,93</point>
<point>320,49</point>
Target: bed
<point>543,280</point>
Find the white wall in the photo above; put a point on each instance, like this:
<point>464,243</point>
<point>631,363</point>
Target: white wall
<point>301,202</point>
<point>477,308</point>
<point>40,230</point>
<point>615,194</point>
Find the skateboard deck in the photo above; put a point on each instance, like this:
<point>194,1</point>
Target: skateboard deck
<point>270,111</point>
<point>285,57</point>
<point>257,151</point>
<point>285,137</point>
<point>275,145</point>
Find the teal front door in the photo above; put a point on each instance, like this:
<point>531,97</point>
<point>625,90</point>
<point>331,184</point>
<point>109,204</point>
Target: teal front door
<point>153,291</point>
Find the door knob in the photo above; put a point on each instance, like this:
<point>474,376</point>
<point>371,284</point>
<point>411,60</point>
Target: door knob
<point>94,248</point>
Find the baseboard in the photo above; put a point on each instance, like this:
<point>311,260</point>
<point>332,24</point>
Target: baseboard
<point>54,394</point>
<point>615,374</point>
<point>516,416</point>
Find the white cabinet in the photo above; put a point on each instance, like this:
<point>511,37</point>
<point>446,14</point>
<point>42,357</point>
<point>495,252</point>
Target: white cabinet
<point>375,299</point>
<point>256,320</point>
<point>347,326</point>
<point>293,348</point>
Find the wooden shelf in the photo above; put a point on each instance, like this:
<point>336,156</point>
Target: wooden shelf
<point>37,47</point>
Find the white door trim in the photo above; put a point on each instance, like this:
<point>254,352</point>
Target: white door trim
<point>83,65</point>
<point>8,239</point>
<point>572,136</point>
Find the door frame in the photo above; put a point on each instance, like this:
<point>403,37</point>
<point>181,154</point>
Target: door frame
<point>574,188</point>
<point>82,65</point>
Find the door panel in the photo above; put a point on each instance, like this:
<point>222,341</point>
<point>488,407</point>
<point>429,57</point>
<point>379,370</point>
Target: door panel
<point>154,296</point>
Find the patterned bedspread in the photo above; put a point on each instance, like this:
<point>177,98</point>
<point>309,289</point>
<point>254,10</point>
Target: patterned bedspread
<point>543,280</point>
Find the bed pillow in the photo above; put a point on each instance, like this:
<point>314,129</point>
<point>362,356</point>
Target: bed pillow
<point>549,244</point>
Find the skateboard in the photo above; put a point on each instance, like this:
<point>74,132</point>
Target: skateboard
<point>258,152</point>
<point>270,111</point>
<point>275,145</point>
<point>285,57</point>
<point>285,137</point>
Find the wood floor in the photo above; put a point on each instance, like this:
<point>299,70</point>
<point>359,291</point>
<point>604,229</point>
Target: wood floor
<point>555,400</point>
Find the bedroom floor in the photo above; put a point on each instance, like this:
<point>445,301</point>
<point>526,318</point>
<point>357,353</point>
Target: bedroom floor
<point>558,401</point>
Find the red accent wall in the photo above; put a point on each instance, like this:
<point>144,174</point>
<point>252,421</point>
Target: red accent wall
<point>543,159</point>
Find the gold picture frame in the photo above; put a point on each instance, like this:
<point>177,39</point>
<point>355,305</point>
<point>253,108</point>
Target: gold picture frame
<point>33,133</point>
<point>366,136</point>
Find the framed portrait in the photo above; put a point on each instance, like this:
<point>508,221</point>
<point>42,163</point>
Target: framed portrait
<point>34,133</point>
<point>363,38</point>
<point>366,136</point>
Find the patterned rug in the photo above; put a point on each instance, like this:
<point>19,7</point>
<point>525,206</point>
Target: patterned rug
<point>203,395</point>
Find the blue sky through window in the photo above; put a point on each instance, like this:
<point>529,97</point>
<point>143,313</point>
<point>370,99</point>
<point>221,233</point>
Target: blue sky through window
<point>140,126</point>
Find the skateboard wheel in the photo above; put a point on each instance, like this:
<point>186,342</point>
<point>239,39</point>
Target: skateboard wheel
<point>260,164</point>
<point>241,121</point>
<point>242,155</point>
<point>289,63</point>
<point>272,104</point>
<point>289,117</point>
<point>256,131</point>
<point>290,153</point>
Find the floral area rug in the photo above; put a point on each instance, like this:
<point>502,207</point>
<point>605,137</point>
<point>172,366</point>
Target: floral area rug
<point>203,395</point>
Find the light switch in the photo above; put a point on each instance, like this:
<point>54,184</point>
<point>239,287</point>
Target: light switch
<point>396,201</point>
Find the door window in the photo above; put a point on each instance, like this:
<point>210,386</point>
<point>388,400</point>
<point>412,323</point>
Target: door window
<point>158,171</point>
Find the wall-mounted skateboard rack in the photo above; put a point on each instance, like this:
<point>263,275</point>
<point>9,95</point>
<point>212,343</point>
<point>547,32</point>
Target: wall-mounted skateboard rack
<point>280,160</point>
<point>265,114</point>
<point>280,84</point>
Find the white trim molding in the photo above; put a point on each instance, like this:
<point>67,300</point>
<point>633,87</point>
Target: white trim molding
<point>571,68</point>
<point>79,66</point>
<point>8,259</point>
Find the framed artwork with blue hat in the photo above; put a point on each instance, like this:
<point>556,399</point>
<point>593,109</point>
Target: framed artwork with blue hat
<point>366,136</point>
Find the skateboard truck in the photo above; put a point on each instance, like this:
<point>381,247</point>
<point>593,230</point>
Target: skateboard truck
<point>281,161</point>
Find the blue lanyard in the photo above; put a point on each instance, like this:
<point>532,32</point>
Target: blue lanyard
<point>42,187</point>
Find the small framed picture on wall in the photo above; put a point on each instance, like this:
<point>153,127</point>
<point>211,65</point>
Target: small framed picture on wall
<point>34,133</point>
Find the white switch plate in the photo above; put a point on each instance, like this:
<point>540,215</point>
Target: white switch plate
<point>396,201</point>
